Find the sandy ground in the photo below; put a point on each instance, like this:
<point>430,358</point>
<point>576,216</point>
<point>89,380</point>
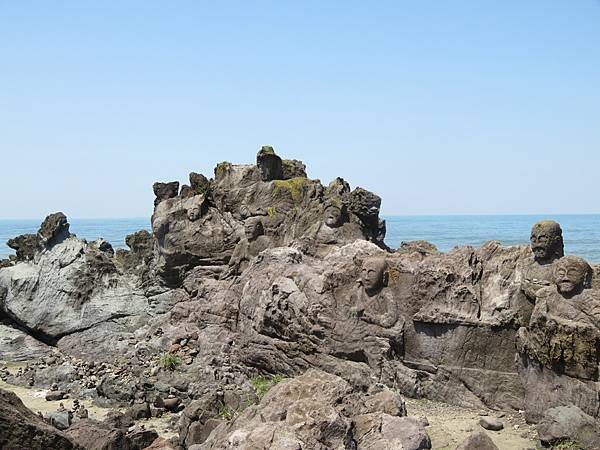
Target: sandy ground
<point>450,425</point>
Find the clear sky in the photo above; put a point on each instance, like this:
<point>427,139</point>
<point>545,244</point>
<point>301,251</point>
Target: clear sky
<point>440,107</point>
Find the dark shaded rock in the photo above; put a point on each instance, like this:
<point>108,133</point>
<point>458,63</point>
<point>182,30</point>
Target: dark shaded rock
<point>569,423</point>
<point>117,419</point>
<point>199,184</point>
<point>25,246</point>
<point>490,423</point>
<point>21,429</point>
<point>196,421</point>
<point>422,247</point>
<point>54,230</point>
<point>172,404</point>
<point>292,168</point>
<point>164,191</point>
<point>269,164</point>
<point>93,435</point>
<point>477,441</point>
<point>54,395</point>
<point>365,205</point>
<point>139,411</point>
<point>59,419</point>
<point>141,439</point>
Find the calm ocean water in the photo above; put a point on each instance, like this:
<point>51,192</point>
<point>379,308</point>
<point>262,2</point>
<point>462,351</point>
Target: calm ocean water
<point>581,232</point>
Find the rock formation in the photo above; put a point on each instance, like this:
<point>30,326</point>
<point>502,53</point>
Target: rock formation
<point>21,429</point>
<point>263,272</point>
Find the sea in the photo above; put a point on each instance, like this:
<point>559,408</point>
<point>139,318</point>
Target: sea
<point>581,233</point>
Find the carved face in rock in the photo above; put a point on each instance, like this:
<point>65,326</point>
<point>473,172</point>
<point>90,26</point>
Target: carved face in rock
<point>572,275</point>
<point>332,216</point>
<point>546,241</point>
<point>194,213</point>
<point>373,274</point>
<point>253,228</point>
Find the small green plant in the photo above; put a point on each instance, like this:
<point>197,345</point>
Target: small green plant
<point>170,361</point>
<point>225,412</point>
<point>566,444</point>
<point>262,384</point>
<point>293,186</point>
<point>271,212</point>
<point>203,190</point>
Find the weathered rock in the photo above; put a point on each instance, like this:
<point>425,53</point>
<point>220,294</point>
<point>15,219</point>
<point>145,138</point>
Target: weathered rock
<point>164,191</point>
<point>141,439</point>
<point>477,441</point>
<point>559,346</point>
<point>53,231</point>
<point>138,411</point>
<point>21,429</point>
<point>74,286</point>
<point>309,412</point>
<point>199,183</point>
<point>59,419</point>
<point>17,346</point>
<point>292,168</point>
<point>26,246</point>
<point>52,396</point>
<point>93,435</point>
<point>203,229</point>
<point>269,164</point>
<point>491,423</point>
<point>569,423</point>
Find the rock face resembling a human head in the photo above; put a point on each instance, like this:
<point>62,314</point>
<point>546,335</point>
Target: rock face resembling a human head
<point>546,241</point>
<point>253,228</point>
<point>572,275</point>
<point>373,275</point>
<point>194,213</point>
<point>333,216</point>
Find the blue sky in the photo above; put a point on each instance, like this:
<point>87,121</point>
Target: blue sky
<point>440,107</point>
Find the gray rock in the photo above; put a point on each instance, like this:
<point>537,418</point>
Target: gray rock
<point>569,423</point>
<point>269,164</point>
<point>490,423</point>
<point>59,419</point>
<point>477,441</point>
<point>52,396</point>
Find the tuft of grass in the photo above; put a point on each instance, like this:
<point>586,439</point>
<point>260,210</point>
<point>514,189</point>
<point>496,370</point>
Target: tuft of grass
<point>170,361</point>
<point>225,412</point>
<point>271,212</point>
<point>566,444</point>
<point>293,186</point>
<point>203,190</point>
<point>262,384</point>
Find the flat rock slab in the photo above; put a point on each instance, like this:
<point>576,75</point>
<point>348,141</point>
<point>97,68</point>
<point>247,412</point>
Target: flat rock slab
<point>489,423</point>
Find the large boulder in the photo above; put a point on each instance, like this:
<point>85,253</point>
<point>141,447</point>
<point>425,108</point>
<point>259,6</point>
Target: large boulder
<point>21,429</point>
<point>318,411</point>
<point>569,423</point>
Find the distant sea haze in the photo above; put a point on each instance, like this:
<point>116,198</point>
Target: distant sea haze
<point>581,233</point>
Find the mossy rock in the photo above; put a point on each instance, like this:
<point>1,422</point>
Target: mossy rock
<point>222,169</point>
<point>293,186</point>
